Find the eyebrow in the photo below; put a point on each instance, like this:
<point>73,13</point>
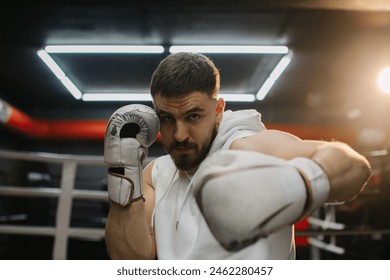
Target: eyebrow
<point>194,110</point>
<point>190,111</point>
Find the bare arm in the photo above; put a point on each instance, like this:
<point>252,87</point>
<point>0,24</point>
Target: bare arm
<point>347,170</point>
<point>128,232</point>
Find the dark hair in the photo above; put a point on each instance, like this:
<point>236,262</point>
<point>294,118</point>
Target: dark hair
<point>181,73</point>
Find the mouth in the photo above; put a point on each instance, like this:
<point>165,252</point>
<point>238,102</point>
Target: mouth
<point>183,150</point>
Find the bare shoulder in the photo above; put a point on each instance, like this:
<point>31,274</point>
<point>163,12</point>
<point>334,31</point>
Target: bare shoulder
<point>147,175</point>
<point>148,190</point>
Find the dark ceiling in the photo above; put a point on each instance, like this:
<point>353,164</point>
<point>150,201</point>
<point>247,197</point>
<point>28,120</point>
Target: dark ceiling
<point>338,48</point>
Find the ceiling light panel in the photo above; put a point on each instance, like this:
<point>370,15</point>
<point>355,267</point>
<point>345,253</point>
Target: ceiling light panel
<point>247,72</point>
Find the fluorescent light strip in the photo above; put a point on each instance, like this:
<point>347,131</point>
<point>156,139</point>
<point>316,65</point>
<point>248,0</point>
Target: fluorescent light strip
<point>53,66</point>
<point>238,97</point>
<point>71,88</point>
<point>147,97</point>
<point>231,49</point>
<point>275,74</point>
<point>104,49</point>
<point>117,97</point>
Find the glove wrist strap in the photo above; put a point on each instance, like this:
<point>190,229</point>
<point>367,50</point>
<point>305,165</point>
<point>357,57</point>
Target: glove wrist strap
<point>316,181</point>
<point>125,183</point>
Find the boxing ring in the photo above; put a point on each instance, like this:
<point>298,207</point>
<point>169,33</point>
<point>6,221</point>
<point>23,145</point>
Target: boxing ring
<point>65,193</point>
<point>314,231</point>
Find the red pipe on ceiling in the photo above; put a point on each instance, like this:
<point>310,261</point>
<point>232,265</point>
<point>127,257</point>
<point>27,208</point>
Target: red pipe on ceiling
<point>95,129</point>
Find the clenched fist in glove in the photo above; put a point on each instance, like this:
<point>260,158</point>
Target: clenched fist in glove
<point>245,196</point>
<point>130,131</point>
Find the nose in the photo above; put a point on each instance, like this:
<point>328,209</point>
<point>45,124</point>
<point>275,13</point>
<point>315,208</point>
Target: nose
<point>181,133</point>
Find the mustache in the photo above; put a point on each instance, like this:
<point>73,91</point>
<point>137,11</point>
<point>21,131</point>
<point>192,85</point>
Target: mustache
<point>184,144</point>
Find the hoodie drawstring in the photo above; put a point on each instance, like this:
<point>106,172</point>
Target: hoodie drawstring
<point>186,195</point>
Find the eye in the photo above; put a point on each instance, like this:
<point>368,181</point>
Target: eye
<point>193,117</point>
<point>165,118</point>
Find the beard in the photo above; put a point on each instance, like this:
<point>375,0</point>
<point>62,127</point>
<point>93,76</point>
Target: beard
<point>184,162</point>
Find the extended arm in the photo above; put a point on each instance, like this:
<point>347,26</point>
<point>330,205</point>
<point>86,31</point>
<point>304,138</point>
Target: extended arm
<point>347,170</point>
<point>271,180</point>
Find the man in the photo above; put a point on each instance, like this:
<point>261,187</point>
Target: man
<point>228,188</point>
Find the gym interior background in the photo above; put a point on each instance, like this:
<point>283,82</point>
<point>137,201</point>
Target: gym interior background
<point>52,177</point>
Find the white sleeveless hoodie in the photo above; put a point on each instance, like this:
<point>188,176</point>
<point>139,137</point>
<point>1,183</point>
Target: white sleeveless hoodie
<point>180,229</point>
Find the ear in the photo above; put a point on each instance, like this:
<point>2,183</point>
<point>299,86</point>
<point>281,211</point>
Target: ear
<point>220,109</point>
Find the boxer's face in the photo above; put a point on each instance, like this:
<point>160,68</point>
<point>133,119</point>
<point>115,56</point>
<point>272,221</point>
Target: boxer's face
<point>189,125</point>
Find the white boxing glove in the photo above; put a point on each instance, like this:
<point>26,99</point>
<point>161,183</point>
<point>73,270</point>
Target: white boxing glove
<point>245,195</point>
<point>130,131</point>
